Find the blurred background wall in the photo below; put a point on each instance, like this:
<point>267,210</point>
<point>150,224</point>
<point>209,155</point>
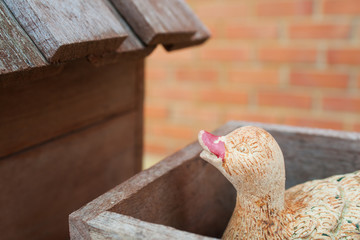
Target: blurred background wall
<point>293,62</point>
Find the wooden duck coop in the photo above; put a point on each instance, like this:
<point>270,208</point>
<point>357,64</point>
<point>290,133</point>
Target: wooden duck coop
<point>71,101</point>
<point>184,197</point>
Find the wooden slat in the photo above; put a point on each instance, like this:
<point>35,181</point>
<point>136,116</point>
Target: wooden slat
<point>157,21</point>
<point>202,33</point>
<point>36,111</point>
<point>132,48</point>
<point>177,174</point>
<point>69,29</point>
<point>41,187</point>
<point>189,194</point>
<point>17,51</point>
<point>109,225</point>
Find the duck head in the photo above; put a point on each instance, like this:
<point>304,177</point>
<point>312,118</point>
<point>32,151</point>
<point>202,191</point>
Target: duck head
<point>250,158</point>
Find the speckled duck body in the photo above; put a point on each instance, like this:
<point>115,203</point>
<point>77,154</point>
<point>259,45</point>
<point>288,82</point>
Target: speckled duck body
<point>252,161</point>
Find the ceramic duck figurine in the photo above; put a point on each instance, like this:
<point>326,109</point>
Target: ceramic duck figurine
<point>252,161</point>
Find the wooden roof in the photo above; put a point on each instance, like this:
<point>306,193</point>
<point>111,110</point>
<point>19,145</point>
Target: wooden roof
<point>38,33</point>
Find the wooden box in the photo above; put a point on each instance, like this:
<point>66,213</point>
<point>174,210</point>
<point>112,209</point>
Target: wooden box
<point>71,101</point>
<point>184,197</point>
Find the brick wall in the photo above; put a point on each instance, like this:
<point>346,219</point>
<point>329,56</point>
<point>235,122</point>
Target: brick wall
<point>293,62</point>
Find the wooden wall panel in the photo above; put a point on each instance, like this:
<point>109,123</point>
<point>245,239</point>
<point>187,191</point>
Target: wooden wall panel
<point>42,186</point>
<point>17,51</point>
<point>69,29</point>
<point>36,111</point>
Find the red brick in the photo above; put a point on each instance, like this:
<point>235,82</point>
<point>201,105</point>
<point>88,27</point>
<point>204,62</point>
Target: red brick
<point>155,74</point>
<point>344,56</point>
<point>199,114</point>
<point>154,148</point>
<point>341,7</point>
<point>155,112</point>
<point>224,96</point>
<point>214,29</point>
<point>319,31</point>
<point>281,99</point>
<point>287,54</point>
<point>356,127</point>
<point>285,8</point>
<point>172,131</point>
<point>254,77</point>
<point>161,55</point>
<point>346,104</point>
<point>196,74</point>
<point>225,54</point>
<point>216,11</point>
<point>325,79</point>
<point>168,93</point>
<point>249,31</point>
<point>317,123</point>
<point>251,117</point>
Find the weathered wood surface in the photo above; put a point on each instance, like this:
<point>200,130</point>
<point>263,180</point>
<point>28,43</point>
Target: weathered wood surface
<point>17,51</point>
<point>132,44</point>
<point>186,193</point>
<point>181,170</point>
<point>42,186</point>
<point>109,225</point>
<point>202,33</point>
<point>157,21</point>
<point>36,111</point>
<point>69,29</point>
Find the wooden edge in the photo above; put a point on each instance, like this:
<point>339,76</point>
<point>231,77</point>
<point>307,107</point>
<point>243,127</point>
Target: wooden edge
<point>178,46</point>
<point>202,32</point>
<point>139,129</point>
<point>18,53</point>
<point>132,45</point>
<point>35,73</point>
<point>78,229</point>
<point>157,22</point>
<point>73,51</point>
<point>59,44</point>
<point>299,130</point>
<point>115,57</point>
<point>137,182</point>
<point>110,225</point>
<point>169,38</point>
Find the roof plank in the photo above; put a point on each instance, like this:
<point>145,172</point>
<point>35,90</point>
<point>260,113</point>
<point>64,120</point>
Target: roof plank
<point>157,21</point>
<point>17,51</point>
<point>69,29</point>
<point>202,33</point>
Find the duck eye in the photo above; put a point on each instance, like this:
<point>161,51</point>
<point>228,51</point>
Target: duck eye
<point>243,149</point>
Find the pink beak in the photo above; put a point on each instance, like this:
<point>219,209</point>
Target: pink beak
<point>215,145</point>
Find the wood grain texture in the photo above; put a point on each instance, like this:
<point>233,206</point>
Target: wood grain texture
<point>201,35</point>
<point>42,186</point>
<point>109,225</point>
<point>177,175</point>
<point>188,194</point>
<point>35,111</point>
<point>17,51</point>
<point>66,30</point>
<point>157,21</point>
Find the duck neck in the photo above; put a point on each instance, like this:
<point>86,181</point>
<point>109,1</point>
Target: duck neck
<point>261,217</point>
